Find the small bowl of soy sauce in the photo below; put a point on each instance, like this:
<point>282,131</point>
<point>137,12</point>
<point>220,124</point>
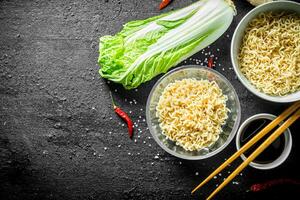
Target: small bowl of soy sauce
<point>272,156</point>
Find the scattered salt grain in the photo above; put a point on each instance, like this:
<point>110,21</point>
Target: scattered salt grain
<point>144,142</point>
<point>141,109</point>
<point>215,177</point>
<point>119,146</point>
<point>135,140</point>
<point>197,173</point>
<point>149,145</point>
<point>129,153</point>
<point>116,90</point>
<point>110,118</point>
<point>235,183</point>
<point>180,162</point>
<point>136,90</point>
<point>156,157</point>
<point>144,120</point>
<point>220,174</point>
<point>105,148</point>
<point>139,136</point>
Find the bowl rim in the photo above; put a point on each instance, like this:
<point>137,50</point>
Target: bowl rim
<point>287,144</point>
<point>230,136</point>
<point>245,81</point>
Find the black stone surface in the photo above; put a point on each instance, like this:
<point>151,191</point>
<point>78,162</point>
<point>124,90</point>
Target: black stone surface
<point>59,136</point>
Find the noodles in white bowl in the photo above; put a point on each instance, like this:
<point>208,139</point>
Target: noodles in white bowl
<point>269,56</point>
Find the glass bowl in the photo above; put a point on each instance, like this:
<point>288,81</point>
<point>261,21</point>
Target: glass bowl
<point>229,128</point>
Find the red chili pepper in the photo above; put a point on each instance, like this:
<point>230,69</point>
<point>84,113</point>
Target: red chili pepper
<point>262,186</point>
<point>122,114</point>
<point>164,3</point>
<point>210,62</point>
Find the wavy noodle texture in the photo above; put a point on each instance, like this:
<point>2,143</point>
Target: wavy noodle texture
<point>191,112</point>
<point>270,53</point>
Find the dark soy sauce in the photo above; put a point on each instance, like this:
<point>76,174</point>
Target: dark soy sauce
<point>269,154</point>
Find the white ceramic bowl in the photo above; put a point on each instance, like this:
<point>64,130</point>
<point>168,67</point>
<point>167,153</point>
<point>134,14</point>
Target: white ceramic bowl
<point>237,40</point>
<point>287,145</point>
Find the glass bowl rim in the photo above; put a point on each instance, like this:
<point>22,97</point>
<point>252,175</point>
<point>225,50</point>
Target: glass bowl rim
<point>230,136</point>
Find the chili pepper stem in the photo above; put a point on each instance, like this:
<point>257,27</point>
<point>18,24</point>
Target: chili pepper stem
<point>113,101</point>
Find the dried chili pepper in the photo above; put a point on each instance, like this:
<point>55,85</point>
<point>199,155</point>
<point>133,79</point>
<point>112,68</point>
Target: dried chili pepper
<point>262,186</point>
<point>164,3</point>
<point>210,62</point>
<point>122,114</point>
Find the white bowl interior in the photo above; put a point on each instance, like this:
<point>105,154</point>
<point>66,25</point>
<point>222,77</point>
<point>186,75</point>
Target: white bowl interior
<point>237,40</point>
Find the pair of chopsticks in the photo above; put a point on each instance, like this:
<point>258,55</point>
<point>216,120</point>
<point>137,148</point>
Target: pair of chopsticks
<point>295,108</point>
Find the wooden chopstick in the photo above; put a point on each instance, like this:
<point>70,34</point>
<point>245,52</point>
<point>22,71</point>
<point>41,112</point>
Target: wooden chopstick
<point>256,138</point>
<point>258,151</point>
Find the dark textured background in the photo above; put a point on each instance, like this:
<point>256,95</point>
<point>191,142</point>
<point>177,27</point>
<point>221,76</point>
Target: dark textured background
<point>59,136</point>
